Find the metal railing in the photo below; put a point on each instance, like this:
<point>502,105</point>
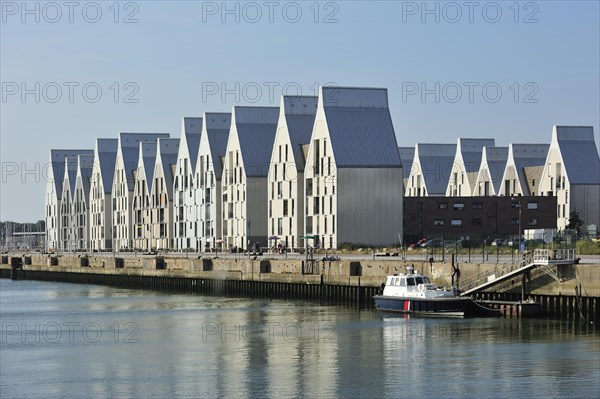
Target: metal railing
<point>499,271</point>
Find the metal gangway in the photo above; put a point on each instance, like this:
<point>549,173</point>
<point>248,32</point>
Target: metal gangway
<point>545,259</point>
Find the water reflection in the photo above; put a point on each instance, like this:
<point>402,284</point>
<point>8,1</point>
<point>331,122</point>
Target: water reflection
<point>158,345</point>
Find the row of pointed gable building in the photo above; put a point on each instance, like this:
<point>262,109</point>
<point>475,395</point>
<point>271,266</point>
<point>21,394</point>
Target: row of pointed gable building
<point>568,168</point>
<point>314,171</point>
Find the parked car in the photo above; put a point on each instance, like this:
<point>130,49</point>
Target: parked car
<point>498,242</point>
<point>432,243</point>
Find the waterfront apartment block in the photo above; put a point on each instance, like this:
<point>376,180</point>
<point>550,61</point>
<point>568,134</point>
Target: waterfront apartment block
<point>572,174</point>
<point>245,170</point>
<point>161,194</point>
<point>53,195</point>
<point>430,170</point>
<point>80,225</point>
<point>523,170</point>
<point>144,176</point>
<point>185,228</point>
<point>491,170</point>
<point>209,171</point>
<point>353,175</point>
<point>123,184</point>
<point>100,203</point>
<point>466,166</point>
<point>286,170</point>
<point>66,206</point>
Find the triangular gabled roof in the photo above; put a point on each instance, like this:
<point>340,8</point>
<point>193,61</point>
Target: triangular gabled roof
<point>191,129</point>
<point>57,166</point>
<point>360,127</point>
<point>298,113</point>
<point>256,128</point>
<point>471,152</point>
<point>166,155</point>
<point>128,146</point>
<point>407,154</point>
<point>216,127</point>
<point>579,153</point>
<point>522,156</point>
<point>70,178</point>
<point>147,159</point>
<point>494,160</point>
<point>106,155</point>
<point>435,164</point>
<point>85,170</point>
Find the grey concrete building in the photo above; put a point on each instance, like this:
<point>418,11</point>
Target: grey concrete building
<point>80,213</point>
<point>353,175</point>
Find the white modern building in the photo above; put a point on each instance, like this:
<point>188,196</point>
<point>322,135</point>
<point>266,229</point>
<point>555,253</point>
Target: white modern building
<point>466,166</point>
<point>123,183</point>
<point>161,194</point>
<point>572,174</point>
<point>80,209</point>
<point>491,170</point>
<point>100,203</point>
<point>67,235</point>
<point>430,170</point>
<point>144,176</point>
<point>407,155</point>
<point>353,175</point>
<point>286,170</point>
<point>244,181</point>
<point>185,228</point>
<point>53,195</point>
<point>524,167</point>
<point>209,171</point>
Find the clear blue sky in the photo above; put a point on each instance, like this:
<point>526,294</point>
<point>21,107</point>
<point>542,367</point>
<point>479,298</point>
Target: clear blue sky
<point>180,56</point>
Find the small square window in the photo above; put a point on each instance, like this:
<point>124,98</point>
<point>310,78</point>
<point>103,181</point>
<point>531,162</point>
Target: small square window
<point>532,221</point>
<point>442,205</point>
<point>439,222</point>
<point>477,205</point>
<point>456,222</point>
<point>459,206</point>
<point>532,205</point>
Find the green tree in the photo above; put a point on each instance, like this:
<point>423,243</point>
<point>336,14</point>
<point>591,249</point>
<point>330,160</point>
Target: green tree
<point>575,222</point>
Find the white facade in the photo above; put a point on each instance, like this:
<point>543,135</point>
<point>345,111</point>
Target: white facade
<point>286,170</point>
<point>491,170</point>
<point>80,209</point>
<point>523,170</point>
<point>161,194</point>
<point>209,171</point>
<point>144,176</point>
<point>123,184</point>
<point>66,234</point>
<point>430,171</point>
<point>100,204</point>
<point>572,174</point>
<point>353,175</point>
<point>53,195</point>
<point>466,166</point>
<point>185,227</point>
<point>244,181</point>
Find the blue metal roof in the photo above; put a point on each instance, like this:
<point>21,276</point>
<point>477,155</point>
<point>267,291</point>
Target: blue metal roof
<point>256,128</point>
<point>85,165</point>
<point>407,154</point>
<point>168,150</point>
<point>436,162</point>
<point>147,159</point>
<point>496,158</point>
<point>129,146</point>
<point>71,173</point>
<point>57,166</point>
<point>192,129</point>
<point>217,125</point>
<point>299,113</point>
<point>362,137</point>
<point>471,151</point>
<point>579,153</point>
<point>527,155</point>
<point>106,151</point>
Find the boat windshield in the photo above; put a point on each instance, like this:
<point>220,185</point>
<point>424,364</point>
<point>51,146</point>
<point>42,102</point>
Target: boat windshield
<point>426,280</point>
<point>419,280</point>
<point>410,281</point>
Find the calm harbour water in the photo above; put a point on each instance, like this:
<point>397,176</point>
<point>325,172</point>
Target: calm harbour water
<point>67,340</point>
